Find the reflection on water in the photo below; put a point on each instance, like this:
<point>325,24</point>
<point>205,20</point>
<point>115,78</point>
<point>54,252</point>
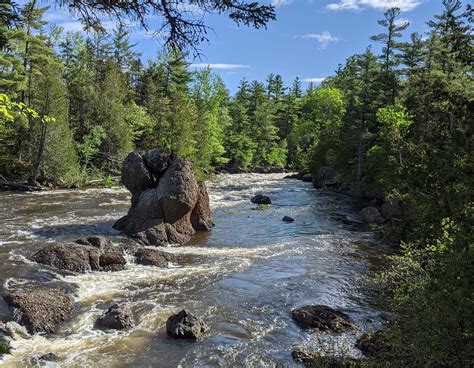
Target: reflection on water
<point>244,277</point>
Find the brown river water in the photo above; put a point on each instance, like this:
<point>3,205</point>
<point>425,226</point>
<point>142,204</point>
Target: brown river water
<point>244,277</point>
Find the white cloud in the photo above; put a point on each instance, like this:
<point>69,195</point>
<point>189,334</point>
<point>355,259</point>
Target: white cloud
<point>220,66</point>
<point>313,80</point>
<point>404,5</point>
<point>323,39</point>
<point>277,3</point>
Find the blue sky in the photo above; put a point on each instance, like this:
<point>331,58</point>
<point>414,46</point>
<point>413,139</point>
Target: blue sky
<point>308,39</point>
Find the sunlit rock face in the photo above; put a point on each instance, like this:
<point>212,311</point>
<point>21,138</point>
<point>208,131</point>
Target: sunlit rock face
<point>168,204</point>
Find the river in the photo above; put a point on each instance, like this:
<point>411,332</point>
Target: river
<point>244,277</point>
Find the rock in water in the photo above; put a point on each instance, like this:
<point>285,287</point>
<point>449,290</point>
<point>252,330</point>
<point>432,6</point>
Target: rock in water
<point>69,257</point>
<point>185,325</point>
<point>116,318</point>
<point>322,318</point>
<point>79,258</point>
<point>135,175</point>
<point>151,257</point>
<point>288,219</point>
<point>261,199</point>
<point>167,208</point>
<point>40,310</point>
<point>98,241</point>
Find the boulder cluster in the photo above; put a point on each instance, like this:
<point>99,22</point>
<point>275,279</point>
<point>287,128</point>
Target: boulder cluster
<point>168,204</point>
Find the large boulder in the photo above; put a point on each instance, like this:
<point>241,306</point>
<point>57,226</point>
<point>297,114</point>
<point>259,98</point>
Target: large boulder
<point>40,311</point>
<point>135,175</point>
<point>324,176</point>
<point>170,207</point>
<point>307,178</point>
<point>69,257</point>
<point>157,161</point>
<point>185,325</point>
<point>322,318</point>
<point>117,317</point>
<point>79,258</point>
<point>201,218</point>
<point>151,257</point>
<point>371,215</point>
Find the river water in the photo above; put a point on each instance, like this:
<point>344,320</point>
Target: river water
<point>244,277</point>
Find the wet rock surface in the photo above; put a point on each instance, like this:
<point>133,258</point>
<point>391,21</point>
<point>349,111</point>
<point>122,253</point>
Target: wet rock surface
<point>97,241</point>
<point>79,258</point>
<point>40,311</point>
<point>169,207</point>
<point>261,199</point>
<point>288,219</point>
<point>117,317</point>
<point>186,326</point>
<point>322,318</point>
<point>151,257</point>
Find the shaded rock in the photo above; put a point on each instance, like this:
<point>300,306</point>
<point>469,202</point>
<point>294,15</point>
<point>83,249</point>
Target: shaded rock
<point>322,318</point>
<point>267,170</point>
<point>171,207</point>
<point>117,317</point>
<point>288,219</point>
<point>371,215</point>
<point>40,310</point>
<point>177,190</point>
<point>135,175</point>
<point>185,325</point>
<point>111,261</point>
<point>307,178</point>
<point>291,176</point>
<point>312,358</point>
<point>69,257</point>
<point>151,257</point>
<point>324,176</point>
<point>201,218</point>
<point>97,241</point>
<point>371,344</point>
<point>393,208</point>
<point>300,175</point>
<point>157,161</point>
<point>261,199</point>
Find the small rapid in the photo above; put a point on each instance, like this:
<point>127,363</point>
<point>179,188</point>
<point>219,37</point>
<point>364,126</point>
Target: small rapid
<point>244,277</point>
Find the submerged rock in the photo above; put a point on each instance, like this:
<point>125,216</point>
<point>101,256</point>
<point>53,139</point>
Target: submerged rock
<point>322,318</point>
<point>312,358</point>
<point>288,219</point>
<point>261,199</point>
<point>151,257</point>
<point>40,311</point>
<point>185,325</point>
<point>169,207</point>
<point>79,258</point>
<point>371,215</point>
<point>117,317</point>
